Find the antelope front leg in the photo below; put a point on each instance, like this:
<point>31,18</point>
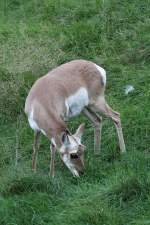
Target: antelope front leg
<point>52,163</point>
<point>35,149</point>
<point>97,124</point>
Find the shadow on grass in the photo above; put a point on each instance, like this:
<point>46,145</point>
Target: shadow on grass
<point>131,189</point>
<point>33,184</point>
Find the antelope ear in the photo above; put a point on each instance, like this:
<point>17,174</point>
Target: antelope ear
<point>65,139</point>
<point>79,131</point>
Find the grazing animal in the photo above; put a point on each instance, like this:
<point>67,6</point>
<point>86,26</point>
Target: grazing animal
<point>64,92</point>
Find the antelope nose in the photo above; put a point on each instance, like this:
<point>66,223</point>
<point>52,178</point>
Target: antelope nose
<point>81,172</point>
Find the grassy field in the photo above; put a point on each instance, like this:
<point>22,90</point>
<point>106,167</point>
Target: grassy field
<point>36,36</point>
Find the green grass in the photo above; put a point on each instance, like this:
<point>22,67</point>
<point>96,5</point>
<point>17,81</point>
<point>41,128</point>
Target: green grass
<point>36,36</point>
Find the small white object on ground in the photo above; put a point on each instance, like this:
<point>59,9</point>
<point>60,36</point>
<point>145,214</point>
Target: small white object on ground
<point>128,89</point>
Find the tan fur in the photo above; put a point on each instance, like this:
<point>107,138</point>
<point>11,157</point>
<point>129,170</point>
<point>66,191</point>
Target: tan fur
<point>47,102</point>
<point>48,94</point>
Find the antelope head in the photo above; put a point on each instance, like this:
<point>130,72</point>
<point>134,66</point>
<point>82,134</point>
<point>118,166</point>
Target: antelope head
<point>72,151</point>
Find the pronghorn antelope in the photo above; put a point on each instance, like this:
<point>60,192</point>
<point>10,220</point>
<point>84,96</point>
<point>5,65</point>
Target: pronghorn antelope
<point>66,91</point>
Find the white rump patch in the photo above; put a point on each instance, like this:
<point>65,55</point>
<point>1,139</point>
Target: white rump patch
<point>76,102</point>
<point>102,72</point>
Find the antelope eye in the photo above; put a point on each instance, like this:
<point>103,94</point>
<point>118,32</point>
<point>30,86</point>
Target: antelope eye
<point>74,156</point>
